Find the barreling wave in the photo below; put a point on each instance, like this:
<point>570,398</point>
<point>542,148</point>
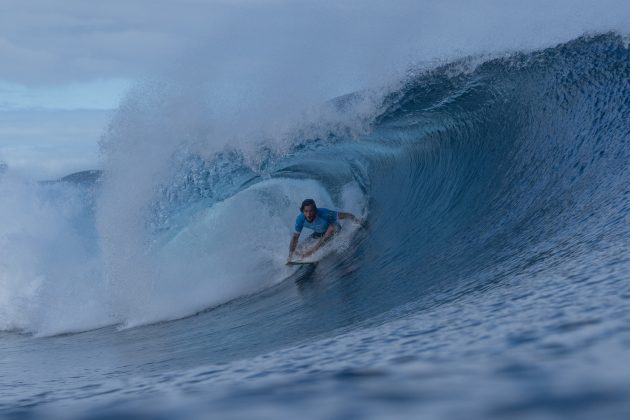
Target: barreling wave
<point>467,173</point>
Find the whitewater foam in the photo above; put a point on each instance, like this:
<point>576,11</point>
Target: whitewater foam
<point>50,276</point>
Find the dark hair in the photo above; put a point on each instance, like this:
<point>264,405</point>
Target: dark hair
<point>308,202</point>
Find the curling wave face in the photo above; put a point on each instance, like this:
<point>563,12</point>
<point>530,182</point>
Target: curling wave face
<point>510,174</point>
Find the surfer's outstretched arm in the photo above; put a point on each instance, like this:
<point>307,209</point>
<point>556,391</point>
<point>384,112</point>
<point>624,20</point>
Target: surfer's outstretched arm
<point>343,215</point>
<point>355,219</point>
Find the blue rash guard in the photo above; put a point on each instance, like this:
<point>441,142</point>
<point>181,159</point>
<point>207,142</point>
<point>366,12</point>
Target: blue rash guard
<point>322,220</point>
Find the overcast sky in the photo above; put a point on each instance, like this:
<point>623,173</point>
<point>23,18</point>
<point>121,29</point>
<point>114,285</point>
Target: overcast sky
<point>66,64</point>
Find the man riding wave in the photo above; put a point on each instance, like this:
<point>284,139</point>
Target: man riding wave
<point>322,221</point>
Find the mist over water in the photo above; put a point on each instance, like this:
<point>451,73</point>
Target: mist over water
<point>485,144</point>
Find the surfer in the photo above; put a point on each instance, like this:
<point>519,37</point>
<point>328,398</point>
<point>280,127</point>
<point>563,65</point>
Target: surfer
<point>322,221</point>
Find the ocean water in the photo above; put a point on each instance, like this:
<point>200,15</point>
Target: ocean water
<point>492,279</point>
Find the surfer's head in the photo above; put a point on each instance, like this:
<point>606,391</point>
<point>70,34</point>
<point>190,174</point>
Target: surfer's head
<point>309,209</point>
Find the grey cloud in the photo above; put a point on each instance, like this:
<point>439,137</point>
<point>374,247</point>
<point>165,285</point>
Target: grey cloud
<point>45,41</point>
<point>51,42</point>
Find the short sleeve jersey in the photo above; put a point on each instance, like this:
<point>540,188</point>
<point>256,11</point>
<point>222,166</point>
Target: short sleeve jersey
<point>321,222</point>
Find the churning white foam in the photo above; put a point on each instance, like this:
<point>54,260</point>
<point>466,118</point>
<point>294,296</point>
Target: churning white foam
<point>50,271</point>
<point>233,248</point>
<point>54,277</point>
